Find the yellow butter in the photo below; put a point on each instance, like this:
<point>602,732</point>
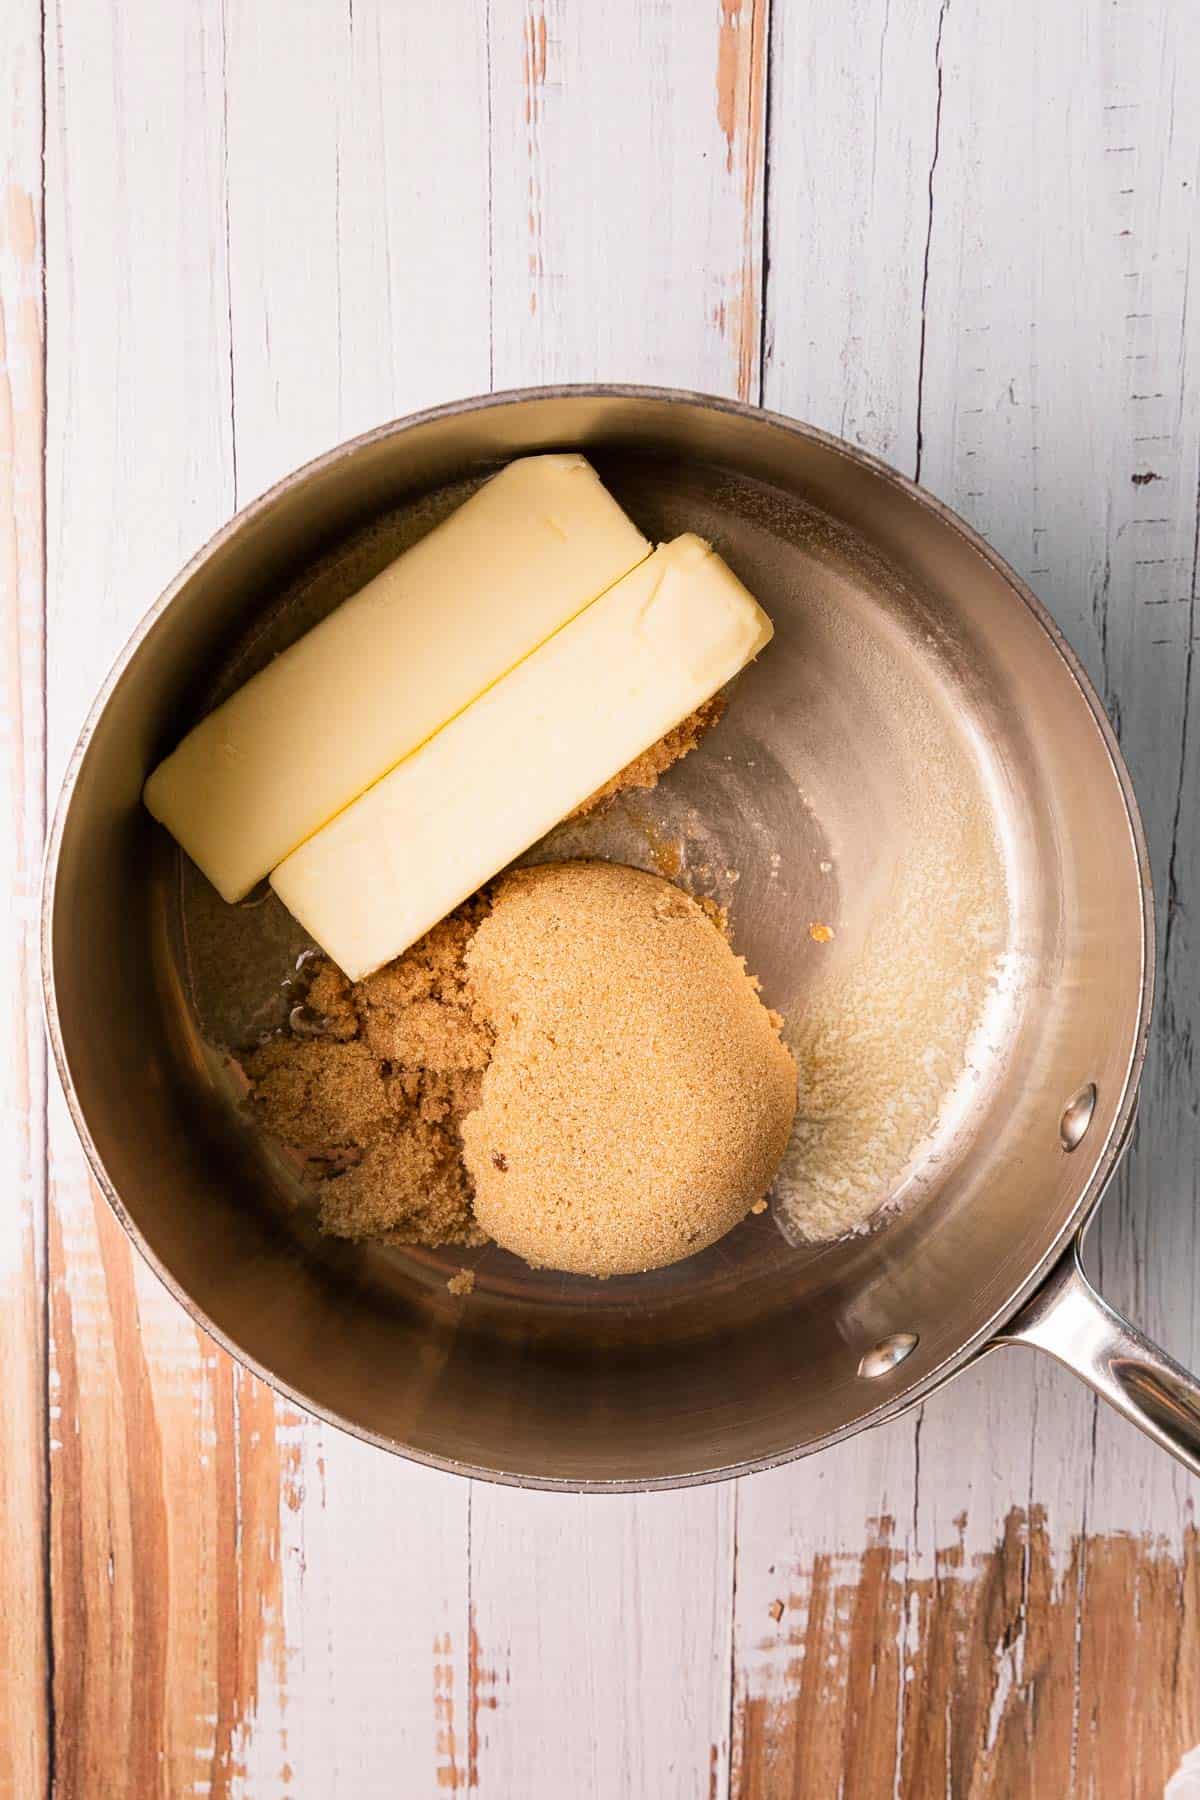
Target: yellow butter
<point>536,745</point>
<point>333,713</point>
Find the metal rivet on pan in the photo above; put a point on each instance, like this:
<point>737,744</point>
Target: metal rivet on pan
<point>1077,1116</point>
<point>888,1352</point>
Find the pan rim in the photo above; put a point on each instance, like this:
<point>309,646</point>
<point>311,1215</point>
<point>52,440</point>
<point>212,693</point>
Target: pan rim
<point>984,1337</point>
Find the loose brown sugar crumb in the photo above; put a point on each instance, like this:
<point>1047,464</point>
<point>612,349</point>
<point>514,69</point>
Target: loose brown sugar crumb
<point>329,1003</point>
<point>373,1093</point>
<point>717,913</point>
<point>463,1283</point>
<point>324,1098</point>
<point>644,771</point>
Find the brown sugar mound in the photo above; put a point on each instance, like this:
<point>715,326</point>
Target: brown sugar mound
<point>638,1100</point>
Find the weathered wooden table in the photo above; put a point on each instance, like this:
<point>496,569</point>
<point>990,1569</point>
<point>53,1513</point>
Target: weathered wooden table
<point>236,231</point>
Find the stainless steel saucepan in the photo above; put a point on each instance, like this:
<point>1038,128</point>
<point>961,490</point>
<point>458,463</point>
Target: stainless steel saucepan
<point>911,672</point>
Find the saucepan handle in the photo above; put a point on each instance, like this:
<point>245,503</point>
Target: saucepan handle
<point>1068,1319</point>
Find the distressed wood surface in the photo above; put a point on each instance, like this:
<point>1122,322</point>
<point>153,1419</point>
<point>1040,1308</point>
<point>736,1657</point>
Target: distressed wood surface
<point>238,231</point>
<point>24,1638</point>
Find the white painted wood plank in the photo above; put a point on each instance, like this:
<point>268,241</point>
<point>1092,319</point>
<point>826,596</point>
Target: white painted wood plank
<point>139,472</point>
<point>1061,364</point>
<point>853,108</point>
<point>1044,297</point>
<point>376,1638</point>
<point>626,190</point>
<point>626,239</point>
<point>603,1629</point>
<point>154,327</point>
<point>846,235</point>
<point>23,1572</point>
<point>1011,1440</point>
<point>356,174</point>
<point>140,453</point>
<point>355,170</point>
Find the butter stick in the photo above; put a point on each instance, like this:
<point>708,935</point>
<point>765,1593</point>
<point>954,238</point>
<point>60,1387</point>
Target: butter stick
<point>523,755</point>
<point>333,713</point>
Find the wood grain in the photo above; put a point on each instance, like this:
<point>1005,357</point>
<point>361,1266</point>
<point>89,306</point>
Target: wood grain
<point>626,183</point>
<point>356,265</point>
<point>24,1645</point>
<point>165,1573</point>
<point>605,1632</point>
<point>1035,378</point>
<point>853,122</point>
<point>1016,372</point>
<point>986,1701</point>
<point>357,289</point>
<point>624,133</point>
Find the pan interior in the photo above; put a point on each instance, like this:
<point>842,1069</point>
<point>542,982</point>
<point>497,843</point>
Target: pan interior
<point>845,815</point>
<point>882,813</point>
